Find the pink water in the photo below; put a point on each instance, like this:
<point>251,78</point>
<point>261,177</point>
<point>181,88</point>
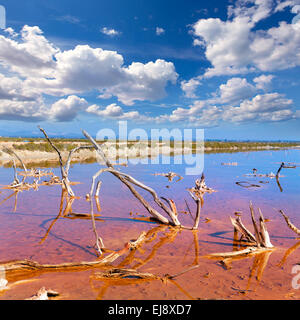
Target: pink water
<point>25,234</point>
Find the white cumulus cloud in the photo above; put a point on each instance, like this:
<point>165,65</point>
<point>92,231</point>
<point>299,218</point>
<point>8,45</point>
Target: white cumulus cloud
<point>34,67</point>
<point>189,87</point>
<point>110,32</point>
<point>234,46</point>
<point>159,31</point>
<point>67,109</point>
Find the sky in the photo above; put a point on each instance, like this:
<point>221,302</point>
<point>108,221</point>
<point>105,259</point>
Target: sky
<point>228,67</point>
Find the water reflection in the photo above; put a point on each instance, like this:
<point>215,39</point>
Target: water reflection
<point>43,226</point>
<point>136,258</point>
<point>15,193</point>
<point>165,235</point>
<point>288,253</point>
<point>260,262</point>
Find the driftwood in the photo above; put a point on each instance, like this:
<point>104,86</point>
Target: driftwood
<point>229,163</point>
<point>289,224</point>
<point>238,226</point>
<point>36,173</point>
<point>16,183</point>
<point>44,294</point>
<point>264,175</point>
<point>110,276</point>
<point>23,186</point>
<point>130,182</point>
<point>201,188</point>
<point>170,208</point>
<point>257,243</point>
<point>115,275</point>
<point>120,274</point>
<point>261,237</point>
<point>280,168</point>
<point>133,274</point>
<point>273,175</point>
<point>170,176</point>
<point>28,265</point>
<point>244,252</point>
<point>99,242</point>
<point>246,184</point>
<point>12,152</point>
<point>64,169</point>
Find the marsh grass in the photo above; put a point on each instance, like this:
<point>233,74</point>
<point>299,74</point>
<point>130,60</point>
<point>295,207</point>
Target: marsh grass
<point>43,146</point>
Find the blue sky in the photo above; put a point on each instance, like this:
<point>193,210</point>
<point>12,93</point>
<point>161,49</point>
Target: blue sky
<point>231,68</point>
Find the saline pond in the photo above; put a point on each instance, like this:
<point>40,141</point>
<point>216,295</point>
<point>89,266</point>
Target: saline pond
<point>33,226</point>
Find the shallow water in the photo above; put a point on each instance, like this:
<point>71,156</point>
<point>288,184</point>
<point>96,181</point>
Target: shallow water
<point>34,230</point>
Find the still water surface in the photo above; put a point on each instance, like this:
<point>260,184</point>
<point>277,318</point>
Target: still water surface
<point>33,230</point>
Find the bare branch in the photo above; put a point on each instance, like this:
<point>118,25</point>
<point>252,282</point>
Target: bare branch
<point>68,163</point>
<point>264,235</point>
<point>98,188</point>
<point>64,173</point>
<point>10,151</point>
<point>237,223</point>
<point>261,238</point>
<point>290,225</point>
<point>99,242</point>
<point>28,265</point>
<point>126,179</point>
<point>280,168</point>
<point>98,149</point>
<point>170,176</point>
<point>54,147</point>
<point>257,235</point>
<point>247,251</point>
<point>197,218</point>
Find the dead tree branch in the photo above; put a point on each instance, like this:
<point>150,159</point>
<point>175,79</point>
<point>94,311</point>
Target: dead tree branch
<point>16,183</point>
<point>12,152</point>
<point>170,176</point>
<point>44,294</point>
<point>64,169</point>
<point>201,188</point>
<point>257,243</point>
<point>280,168</point>
<point>68,163</point>
<point>289,223</point>
<point>120,274</point>
<point>99,243</point>
<point>129,181</point>
<point>28,265</point>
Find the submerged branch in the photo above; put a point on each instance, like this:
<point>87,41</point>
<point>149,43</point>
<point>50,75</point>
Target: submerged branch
<point>28,265</point>
<point>244,252</point>
<point>169,175</point>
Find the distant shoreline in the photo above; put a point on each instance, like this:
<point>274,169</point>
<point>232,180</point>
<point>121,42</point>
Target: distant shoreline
<point>38,152</point>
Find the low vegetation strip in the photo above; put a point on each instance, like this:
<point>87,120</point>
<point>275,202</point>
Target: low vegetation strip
<point>39,144</point>
<point>43,146</point>
<point>35,151</point>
